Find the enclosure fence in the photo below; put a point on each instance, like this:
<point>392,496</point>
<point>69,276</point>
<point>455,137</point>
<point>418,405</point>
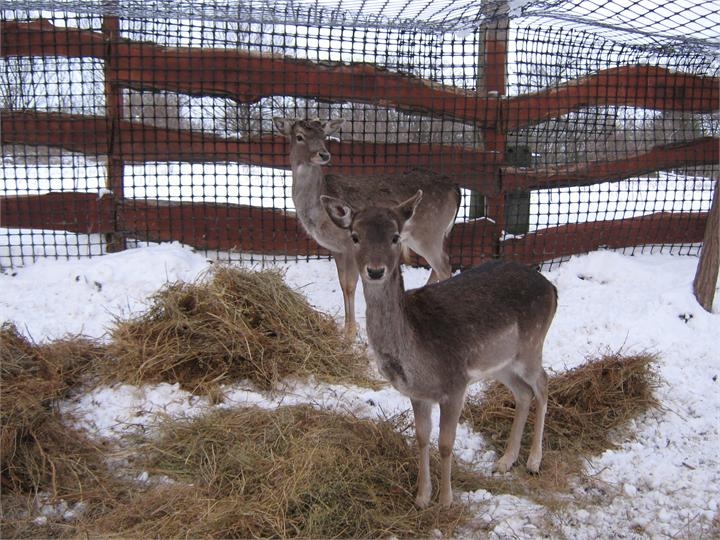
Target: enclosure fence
<point>568,125</point>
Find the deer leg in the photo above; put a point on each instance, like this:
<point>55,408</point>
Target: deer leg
<point>540,389</point>
<point>348,276</point>
<point>441,268</point>
<point>440,264</point>
<point>522,392</point>
<point>449,417</point>
<point>436,256</point>
<point>422,410</point>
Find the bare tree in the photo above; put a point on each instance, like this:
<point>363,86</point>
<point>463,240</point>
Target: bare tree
<point>161,109</point>
<point>243,119</point>
<point>19,89</point>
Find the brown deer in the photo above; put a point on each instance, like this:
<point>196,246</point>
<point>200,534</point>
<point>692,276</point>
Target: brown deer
<point>425,233</point>
<point>431,343</point>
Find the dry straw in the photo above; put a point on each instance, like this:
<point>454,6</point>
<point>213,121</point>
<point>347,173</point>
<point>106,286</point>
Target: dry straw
<point>290,472</point>
<point>232,325</point>
<point>33,378</point>
<point>40,454</point>
<point>587,407</point>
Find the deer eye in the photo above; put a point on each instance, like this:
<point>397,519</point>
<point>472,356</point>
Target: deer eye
<point>355,238</point>
<point>395,238</point>
<point>299,137</point>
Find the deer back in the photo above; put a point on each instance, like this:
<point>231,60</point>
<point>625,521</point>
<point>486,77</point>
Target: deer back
<point>308,154</point>
<point>438,207</point>
<point>468,327</point>
<point>481,303</point>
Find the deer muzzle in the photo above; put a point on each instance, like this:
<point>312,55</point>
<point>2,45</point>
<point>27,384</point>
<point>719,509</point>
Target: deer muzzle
<point>375,273</point>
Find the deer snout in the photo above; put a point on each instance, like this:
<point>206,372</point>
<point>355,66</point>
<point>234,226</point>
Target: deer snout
<point>375,273</point>
<point>321,158</point>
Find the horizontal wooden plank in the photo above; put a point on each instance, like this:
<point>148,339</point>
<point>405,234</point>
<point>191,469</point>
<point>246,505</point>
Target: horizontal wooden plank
<point>216,227</point>
<point>205,226</point>
<point>647,87</point>
<point>137,142</point>
<point>87,135</point>
<point>42,38</point>
<point>570,239</point>
<point>82,213</point>
<point>472,242</point>
<point>247,77</point>
<point>704,151</point>
<point>273,232</point>
<point>469,168</point>
<point>267,231</point>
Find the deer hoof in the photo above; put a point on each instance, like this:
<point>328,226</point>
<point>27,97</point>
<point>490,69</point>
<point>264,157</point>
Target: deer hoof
<point>533,464</point>
<point>351,331</point>
<point>446,500</point>
<point>503,465</point>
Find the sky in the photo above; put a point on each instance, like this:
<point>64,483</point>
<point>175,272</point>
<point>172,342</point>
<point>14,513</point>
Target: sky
<point>662,481</point>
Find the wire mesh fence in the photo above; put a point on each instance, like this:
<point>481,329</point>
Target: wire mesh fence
<point>568,125</point>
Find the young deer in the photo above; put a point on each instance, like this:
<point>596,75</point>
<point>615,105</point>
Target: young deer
<point>432,342</point>
<point>425,233</point>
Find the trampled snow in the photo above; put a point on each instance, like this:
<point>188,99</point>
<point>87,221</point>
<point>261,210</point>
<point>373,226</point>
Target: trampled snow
<point>663,482</point>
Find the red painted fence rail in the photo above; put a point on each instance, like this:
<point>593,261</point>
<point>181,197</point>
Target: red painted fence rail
<point>248,77</point>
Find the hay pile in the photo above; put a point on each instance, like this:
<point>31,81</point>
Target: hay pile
<point>39,453</point>
<point>290,472</point>
<point>33,378</point>
<point>232,325</point>
<point>586,408</point>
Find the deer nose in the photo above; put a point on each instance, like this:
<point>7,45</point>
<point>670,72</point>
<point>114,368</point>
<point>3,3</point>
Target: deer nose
<point>322,158</point>
<point>375,273</point>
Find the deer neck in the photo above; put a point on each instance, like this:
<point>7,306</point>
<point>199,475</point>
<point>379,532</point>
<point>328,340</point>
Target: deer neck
<point>387,323</point>
<point>307,184</point>
<point>306,174</point>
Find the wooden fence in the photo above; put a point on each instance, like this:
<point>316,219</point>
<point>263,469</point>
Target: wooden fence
<point>248,77</point>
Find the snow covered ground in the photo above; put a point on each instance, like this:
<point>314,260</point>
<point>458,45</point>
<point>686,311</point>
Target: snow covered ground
<point>663,483</point>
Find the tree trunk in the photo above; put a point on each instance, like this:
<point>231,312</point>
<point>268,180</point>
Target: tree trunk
<point>706,277</point>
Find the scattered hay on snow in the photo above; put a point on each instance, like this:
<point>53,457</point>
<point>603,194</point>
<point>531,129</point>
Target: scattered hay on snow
<point>41,457</point>
<point>290,472</point>
<point>233,324</point>
<point>33,378</point>
<point>586,408</point>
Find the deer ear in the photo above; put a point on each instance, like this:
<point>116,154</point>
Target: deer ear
<point>283,125</point>
<point>339,211</point>
<point>333,126</point>
<point>407,209</point>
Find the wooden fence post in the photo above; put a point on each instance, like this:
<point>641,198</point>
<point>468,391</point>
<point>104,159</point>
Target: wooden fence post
<point>491,80</point>
<point>115,241</point>
<point>517,203</point>
<point>706,276</point>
